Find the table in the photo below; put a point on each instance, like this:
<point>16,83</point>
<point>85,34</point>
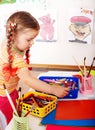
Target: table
<point>34,122</point>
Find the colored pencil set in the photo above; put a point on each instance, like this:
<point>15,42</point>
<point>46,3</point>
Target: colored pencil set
<point>63,82</point>
<point>40,101</point>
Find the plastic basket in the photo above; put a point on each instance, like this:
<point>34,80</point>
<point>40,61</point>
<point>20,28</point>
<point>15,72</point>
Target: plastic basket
<point>40,111</point>
<point>73,92</point>
<point>20,123</point>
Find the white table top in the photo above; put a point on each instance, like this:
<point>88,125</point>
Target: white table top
<point>34,122</point>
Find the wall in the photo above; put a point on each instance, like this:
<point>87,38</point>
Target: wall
<point>62,52</point>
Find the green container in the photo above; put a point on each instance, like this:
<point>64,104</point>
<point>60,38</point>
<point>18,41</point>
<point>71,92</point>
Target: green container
<point>20,123</point>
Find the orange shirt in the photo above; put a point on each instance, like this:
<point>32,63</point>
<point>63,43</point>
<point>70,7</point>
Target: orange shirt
<point>18,63</point>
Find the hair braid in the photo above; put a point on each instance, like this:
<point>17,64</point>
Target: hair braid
<point>10,37</point>
<point>27,58</point>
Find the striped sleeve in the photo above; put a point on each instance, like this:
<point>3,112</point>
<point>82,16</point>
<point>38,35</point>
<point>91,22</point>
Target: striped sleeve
<point>19,62</point>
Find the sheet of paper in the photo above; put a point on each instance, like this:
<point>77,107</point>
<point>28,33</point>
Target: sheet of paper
<point>75,110</point>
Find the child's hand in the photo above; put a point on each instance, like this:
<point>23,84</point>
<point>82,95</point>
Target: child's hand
<point>60,91</point>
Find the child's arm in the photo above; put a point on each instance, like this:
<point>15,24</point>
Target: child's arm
<point>36,84</point>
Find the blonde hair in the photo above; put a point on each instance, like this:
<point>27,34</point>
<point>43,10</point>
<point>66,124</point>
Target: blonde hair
<point>23,20</point>
<point>17,22</point>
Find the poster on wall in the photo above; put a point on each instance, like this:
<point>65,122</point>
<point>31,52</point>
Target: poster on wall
<point>48,26</point>
<point>80,28</point>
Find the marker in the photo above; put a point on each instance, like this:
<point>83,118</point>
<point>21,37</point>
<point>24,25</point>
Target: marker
<point>10,100</point>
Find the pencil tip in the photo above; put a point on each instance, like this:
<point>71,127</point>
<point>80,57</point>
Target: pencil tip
<point>22,95</point>
<point>84,58</point>
<point>4,86</point>
<point>19,89</point>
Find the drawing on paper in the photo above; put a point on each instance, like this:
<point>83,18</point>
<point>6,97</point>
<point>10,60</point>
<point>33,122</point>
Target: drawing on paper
<point>47,28</point>
<point>81,27</point>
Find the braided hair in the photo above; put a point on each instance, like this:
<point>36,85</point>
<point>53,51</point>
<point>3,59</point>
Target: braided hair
<point>10,41</point>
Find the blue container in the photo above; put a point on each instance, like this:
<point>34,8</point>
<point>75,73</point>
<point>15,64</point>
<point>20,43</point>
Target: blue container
<point>73,93</point>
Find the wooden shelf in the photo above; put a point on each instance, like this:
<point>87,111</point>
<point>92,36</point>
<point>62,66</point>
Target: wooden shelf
<point>57,67</point>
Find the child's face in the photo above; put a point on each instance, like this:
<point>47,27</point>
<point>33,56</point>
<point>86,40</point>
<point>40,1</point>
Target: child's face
<point>24,39</point>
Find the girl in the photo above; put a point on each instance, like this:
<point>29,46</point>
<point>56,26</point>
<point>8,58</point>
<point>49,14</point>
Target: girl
<point>21,29</point>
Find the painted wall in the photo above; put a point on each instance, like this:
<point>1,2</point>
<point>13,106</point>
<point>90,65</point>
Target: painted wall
<point>61,51</point>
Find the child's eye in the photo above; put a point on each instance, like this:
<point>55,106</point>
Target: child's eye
<point>28,40</point>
